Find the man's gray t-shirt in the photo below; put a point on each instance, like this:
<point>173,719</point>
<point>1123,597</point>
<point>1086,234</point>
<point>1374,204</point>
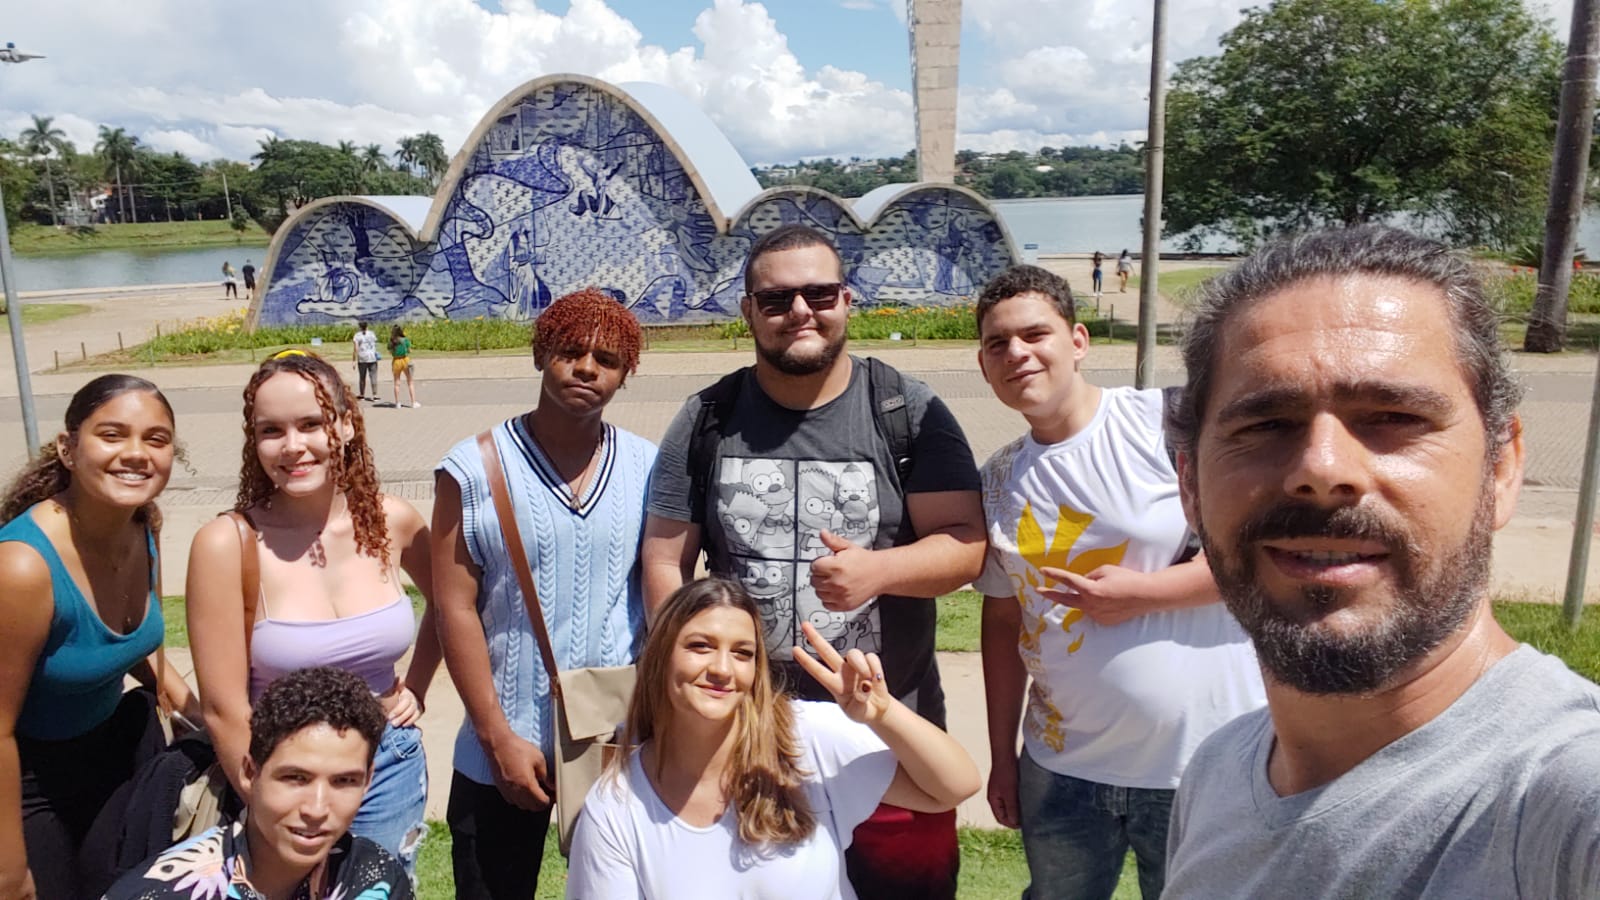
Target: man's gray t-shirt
<point>1498,796</point>
<point>780,478</point>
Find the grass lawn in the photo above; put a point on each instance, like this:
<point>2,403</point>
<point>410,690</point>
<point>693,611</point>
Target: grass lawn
<point>44,240</point>
<point>40,313</point>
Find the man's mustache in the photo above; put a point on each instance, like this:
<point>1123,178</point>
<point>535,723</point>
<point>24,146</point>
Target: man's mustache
<point>1290,519</point>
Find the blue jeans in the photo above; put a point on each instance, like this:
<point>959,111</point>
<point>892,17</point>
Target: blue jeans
<point>1076,834</point>
<point>391,813</point>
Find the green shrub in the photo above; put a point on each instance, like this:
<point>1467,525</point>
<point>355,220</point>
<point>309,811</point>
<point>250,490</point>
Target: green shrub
<point>1513,294</point>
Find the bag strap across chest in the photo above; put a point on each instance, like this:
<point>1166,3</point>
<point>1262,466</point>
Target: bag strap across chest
<point>500,495</point>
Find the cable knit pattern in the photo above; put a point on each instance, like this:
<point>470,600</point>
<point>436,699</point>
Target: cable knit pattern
<point>585,565</point>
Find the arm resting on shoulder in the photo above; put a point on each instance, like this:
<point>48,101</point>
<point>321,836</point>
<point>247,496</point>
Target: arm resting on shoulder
<point>667,556</point>
<point>26,607</point>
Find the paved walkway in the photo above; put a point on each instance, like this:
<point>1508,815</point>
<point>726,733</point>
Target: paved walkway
<point>462,395</point>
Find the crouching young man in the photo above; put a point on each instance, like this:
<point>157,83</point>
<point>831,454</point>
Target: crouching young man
<point>312,738</point>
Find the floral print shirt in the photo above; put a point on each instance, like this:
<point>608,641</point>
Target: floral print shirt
<point>215,865</point>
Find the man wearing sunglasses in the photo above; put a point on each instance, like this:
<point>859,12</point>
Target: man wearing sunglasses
<point>838,492</point>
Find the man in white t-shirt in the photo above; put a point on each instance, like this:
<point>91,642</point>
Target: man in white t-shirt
<point>1092,588</point>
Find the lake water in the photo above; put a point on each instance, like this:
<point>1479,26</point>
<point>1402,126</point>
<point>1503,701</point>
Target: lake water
<point>1056,224</point>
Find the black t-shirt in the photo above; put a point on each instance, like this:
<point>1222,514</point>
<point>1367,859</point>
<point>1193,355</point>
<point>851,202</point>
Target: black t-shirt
<point>782,476</point>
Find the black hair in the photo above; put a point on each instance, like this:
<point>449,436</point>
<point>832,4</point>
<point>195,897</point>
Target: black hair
<point>318,696</point>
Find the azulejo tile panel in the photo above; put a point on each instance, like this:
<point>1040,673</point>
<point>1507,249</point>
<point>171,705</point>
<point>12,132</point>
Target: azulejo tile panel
<point>571,182</point>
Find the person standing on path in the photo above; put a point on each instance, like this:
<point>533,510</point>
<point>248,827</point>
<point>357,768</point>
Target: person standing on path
<point>249,273</point>
<point>578,486</point>
<point>230,281</point>
<point>838,492</point>
<point>1349,444</point>
<point>400,364</point>
<point>364,350</point>
<point>1098,276</point>
<point>1124,269</point>
<point>1092,590</point>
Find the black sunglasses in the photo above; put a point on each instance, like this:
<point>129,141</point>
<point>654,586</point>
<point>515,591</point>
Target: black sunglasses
<point>779,300</point>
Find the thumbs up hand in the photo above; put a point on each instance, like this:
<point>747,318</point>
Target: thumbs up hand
<point>848,578</point>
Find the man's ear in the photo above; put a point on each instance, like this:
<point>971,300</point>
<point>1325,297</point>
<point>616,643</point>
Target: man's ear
<point>1187,489</point>
<point>745,305</point>
<point>1508,473</point>
<point>248,774</point>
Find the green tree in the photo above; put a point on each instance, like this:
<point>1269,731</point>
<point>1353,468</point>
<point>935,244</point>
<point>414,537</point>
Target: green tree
<point>1347,111</point>
<point>430,156</point>
<point>117,151</point>
<point>16,178</point>
<point>42,139</point>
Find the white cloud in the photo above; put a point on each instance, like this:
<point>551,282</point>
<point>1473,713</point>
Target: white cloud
<point>206,77</point>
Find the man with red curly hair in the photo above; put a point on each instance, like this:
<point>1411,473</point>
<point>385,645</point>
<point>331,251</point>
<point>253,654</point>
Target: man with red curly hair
<point>578,486</point>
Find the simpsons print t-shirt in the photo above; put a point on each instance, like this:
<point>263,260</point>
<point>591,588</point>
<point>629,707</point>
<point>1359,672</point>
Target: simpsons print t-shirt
<point>781,478</point>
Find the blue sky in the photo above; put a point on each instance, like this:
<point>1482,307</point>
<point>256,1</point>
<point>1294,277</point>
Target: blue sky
<point>783,79</point>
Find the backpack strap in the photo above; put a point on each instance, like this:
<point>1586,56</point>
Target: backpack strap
<point>893,418</point>
<point>710,426</point>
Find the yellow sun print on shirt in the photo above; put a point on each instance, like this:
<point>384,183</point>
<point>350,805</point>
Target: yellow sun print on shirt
<point>1056,554</point>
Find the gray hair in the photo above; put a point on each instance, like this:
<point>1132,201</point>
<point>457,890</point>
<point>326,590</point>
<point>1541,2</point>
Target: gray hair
<point>1367,250</point>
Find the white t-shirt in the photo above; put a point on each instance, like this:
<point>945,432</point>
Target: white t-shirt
<point>629,844</point>
<point>1123,704</point>
<point>366,346</point>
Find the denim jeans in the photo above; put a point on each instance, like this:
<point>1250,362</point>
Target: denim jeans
<point>1076,834</point>
<point>391,813</point>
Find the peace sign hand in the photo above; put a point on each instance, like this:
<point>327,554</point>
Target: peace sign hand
<point>855,679</point>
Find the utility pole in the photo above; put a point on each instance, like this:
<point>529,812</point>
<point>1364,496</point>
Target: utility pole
<point>1154,158</point>
<point>1567,179</point>
<point>19,350</point>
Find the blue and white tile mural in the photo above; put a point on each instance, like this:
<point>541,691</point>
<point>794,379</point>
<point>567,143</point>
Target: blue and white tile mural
<point>571,182</point>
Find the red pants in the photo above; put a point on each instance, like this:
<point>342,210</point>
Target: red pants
<point>897,853</point>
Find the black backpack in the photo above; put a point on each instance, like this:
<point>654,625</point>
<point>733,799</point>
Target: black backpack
<point>892,418</point>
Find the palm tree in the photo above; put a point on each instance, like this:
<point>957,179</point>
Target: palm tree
<point>406,152</point>
<point>431,156</point>
<point>41,140</point>
<point>117,148</point>
<point>372,159</point>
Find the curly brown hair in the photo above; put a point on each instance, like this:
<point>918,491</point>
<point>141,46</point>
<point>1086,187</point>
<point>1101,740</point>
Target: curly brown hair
<point>350,462</point>
<point>46,476</point>
<point>578,317</point>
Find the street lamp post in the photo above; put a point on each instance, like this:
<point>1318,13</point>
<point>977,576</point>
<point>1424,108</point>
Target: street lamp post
<point>19,351</point>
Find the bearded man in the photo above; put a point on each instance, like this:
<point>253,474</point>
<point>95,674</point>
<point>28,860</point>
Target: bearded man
<point>1349,444</point>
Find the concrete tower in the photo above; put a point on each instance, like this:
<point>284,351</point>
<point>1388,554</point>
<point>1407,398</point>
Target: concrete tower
<point>935,56</point>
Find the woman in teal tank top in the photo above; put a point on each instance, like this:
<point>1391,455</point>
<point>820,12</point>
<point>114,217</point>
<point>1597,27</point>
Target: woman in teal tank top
<point>79,612</point>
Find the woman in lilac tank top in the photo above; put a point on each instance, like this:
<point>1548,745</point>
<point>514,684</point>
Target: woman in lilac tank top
<point>331,548</point>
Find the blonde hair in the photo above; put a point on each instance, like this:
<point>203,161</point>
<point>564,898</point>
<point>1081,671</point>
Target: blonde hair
<point>764,779</point>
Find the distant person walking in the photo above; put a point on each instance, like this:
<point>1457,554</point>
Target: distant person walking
<point>1099,277</point>
<point>230,281</point>
<point>1124,269</point>
<point>400,350</point>
<point>365,352</point>
<point>249,272</point>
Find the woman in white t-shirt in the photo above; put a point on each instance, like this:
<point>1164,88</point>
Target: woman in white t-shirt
<point>736,791</point>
